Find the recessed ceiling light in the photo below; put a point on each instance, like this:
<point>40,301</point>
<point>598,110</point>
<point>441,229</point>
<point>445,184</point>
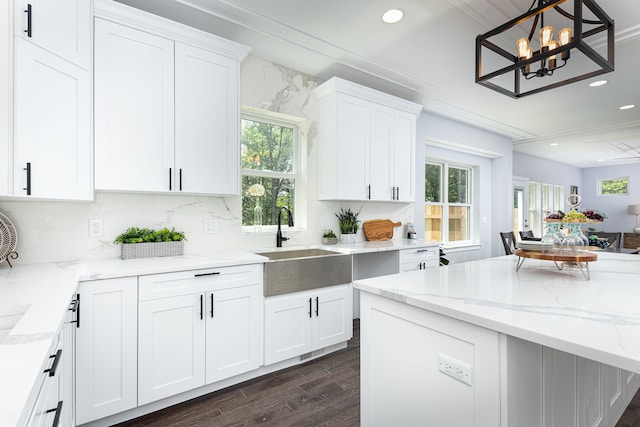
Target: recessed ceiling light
<point>392,16</point>
<point>627,107</point>
<point>553,144</point>
<point>598,83</point>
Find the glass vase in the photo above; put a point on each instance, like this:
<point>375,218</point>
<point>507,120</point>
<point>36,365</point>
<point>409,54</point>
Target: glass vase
<point>257,216</point>
<point>574,242</point>
<point>553,235</point>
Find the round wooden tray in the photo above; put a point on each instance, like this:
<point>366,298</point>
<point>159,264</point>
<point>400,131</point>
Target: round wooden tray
<point>557,256</point>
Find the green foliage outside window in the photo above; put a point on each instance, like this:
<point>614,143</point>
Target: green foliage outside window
<point>267,158</point>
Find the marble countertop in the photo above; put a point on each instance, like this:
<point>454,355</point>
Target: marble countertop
<point>382,245</point>
<point>597,319</point>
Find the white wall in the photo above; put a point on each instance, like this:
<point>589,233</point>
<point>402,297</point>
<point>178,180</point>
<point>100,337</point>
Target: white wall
<point>548,172</point>
<point>493,155</point>
<point>614,206</point>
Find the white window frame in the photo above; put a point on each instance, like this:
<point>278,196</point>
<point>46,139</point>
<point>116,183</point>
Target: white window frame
<point>299,165</point>
<point>444,194</point>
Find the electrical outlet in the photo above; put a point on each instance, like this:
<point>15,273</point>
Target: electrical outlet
<point>325,224</point>
<point>210,226</point>
<point>96,228</point>
<point>455,369</point>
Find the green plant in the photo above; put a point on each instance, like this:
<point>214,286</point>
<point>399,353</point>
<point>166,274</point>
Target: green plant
<point>329,234</point>
<point>348,221</point>
<point>143,235</point>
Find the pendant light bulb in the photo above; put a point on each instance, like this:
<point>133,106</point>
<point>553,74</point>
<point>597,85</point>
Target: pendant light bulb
<point>546,34</point>
<point>564,36</point>
<point>522,45</point>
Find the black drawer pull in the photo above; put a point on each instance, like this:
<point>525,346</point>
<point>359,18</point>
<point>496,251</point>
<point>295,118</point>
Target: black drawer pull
<point>58,411</point>
<point>54,365</point>
<point>309,307</point>
<point>28,187</point>
<point>180,181</point>
<point>212,305</point>
<point>422,250</point>
<point>201,307</point>
<point>28,12</point>
<point>170,173</point>
<point>206,274</point>
<point>317,306</point>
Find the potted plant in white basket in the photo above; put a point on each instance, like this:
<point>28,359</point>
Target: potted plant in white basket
<point>348,221</point>
<point>147,243</point>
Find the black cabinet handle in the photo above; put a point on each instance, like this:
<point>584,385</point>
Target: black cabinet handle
<point>309,307</point>
<point>58,411</point>
<point>54,365</point>
<point>28,12</point>
<point>28,187</point>
<point>369,191</point>
<point>212,305</point>
<point>206,274</point>
<point>317,307</point>
<point>170,173</point>
<point>77,310</point>
<point>397,193</point>
<point>180,181</point>
<point>201,307</point>
<point>393,193</point>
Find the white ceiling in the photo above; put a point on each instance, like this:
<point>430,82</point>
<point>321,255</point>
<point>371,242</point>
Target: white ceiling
<point>429,57</point>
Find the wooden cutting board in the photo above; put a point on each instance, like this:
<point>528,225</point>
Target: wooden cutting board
<point>379,229</point>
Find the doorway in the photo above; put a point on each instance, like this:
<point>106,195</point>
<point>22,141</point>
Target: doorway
<point>520,204</point>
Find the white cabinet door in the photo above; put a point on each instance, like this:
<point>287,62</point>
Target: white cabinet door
<point>171,345</point>
<point>333,317</point>
<point>6,110</point>
<point>106,348</point>
<point>62,27</point>
<point>302,322</point>
<point>134,109</point>
<point>403,156</point>
<point>52,144</point>
<point>352,145</point>
<point>233,332</point>
<point>379,154</point>
<point>287,326</point>
<point>207,121</point>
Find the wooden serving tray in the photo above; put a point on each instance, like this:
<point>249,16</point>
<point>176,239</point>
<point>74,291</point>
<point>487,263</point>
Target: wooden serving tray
<point>379,229</point>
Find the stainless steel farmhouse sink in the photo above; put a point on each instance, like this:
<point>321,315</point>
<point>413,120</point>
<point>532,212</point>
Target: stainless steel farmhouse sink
<point>300,270</point>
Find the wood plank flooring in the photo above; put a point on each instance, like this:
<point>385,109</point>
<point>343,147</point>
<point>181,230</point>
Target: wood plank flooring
<point>324,392</point>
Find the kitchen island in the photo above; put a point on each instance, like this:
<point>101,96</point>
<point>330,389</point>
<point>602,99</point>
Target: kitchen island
<point>481,344</point>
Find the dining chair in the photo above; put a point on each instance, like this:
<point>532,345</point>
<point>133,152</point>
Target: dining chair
<point>615,239</point>
<point>508,241</point>
<point>524,235</point>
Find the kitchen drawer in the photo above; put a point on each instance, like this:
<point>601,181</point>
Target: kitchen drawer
<point>418,254</point>
<point>166,285</point>
<point>419,265</point>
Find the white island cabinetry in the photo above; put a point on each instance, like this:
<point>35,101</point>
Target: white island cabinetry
<point>528,348</point>
<point>167,105</point>
<point>367,149</point>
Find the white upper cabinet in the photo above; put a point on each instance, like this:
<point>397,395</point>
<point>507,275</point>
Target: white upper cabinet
<point>62,27</point>
<point>134,109</point>
<point>50,144</point>
<point>207,121</point>
<point>52,116</point>
<point>367,143</point>
<point>167,112</point>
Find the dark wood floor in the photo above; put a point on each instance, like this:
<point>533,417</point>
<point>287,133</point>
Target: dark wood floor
<point>324,392</point>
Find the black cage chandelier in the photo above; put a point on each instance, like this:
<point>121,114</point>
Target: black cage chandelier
<point>545,61</point>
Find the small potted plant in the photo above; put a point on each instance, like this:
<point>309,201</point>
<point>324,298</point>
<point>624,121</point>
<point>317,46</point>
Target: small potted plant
<point>147,243</point>
<point>348,221</point>
<point>329,238</point>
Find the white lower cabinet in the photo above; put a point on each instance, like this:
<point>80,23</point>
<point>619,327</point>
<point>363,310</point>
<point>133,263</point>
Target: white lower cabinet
<point>197,327</point>
<point>106,348</point>
<point>303,322</point>
<point>48,407</point>
<point>419,258</point>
